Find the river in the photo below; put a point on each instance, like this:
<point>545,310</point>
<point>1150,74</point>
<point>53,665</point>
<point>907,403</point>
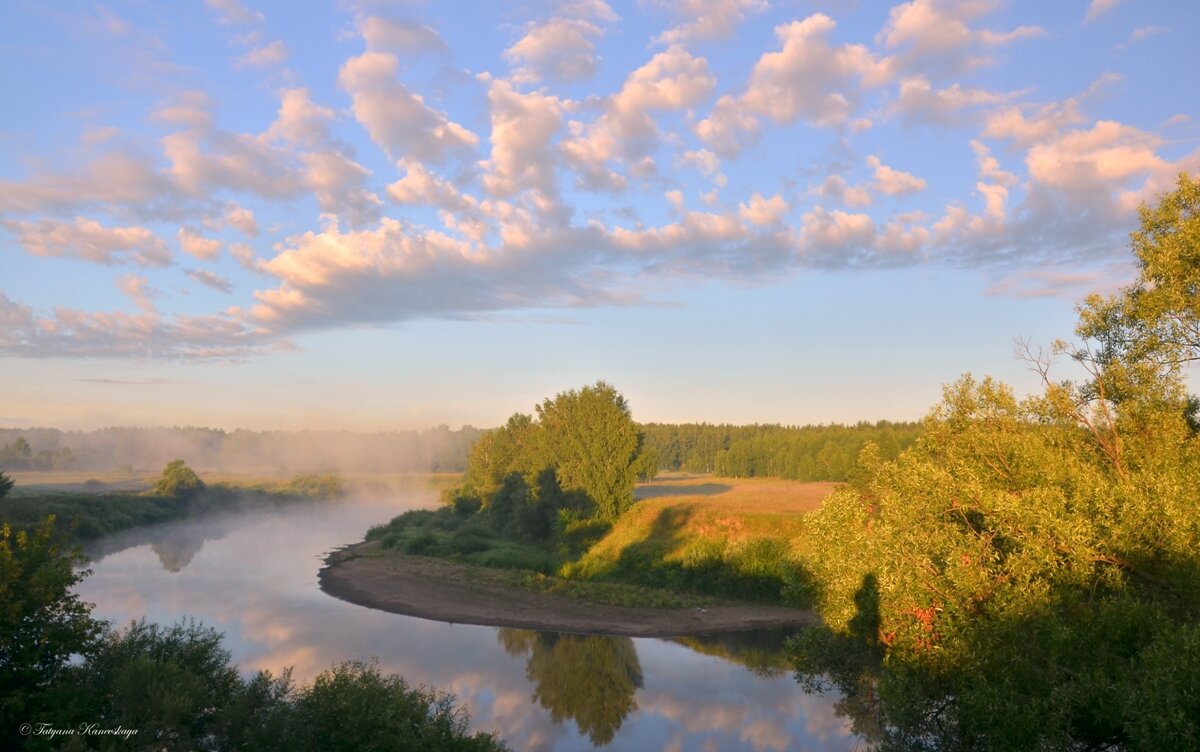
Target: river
<point>253,576</point>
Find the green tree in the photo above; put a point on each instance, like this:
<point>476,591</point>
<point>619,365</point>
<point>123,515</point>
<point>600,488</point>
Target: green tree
<point>593,444</point>
<point>42,623</point>
<point>178,481</point>
<point>6,484</point>
<point>1016,579</point>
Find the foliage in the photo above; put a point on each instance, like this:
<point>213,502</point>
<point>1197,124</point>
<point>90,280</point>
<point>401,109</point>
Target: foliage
<point>1017,578</point>
<point>354,707</point>
<point>6,484</point>
<point>807,453</point>
<point>19,455</point>
<point>87,516</point>
<point>589,438</point>
<point>315,486</point>
<point>176,686</point>
<point>42,623</point>
<point>178,481</point>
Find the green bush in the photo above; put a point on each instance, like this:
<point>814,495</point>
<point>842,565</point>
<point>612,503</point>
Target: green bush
<point>178,481</point>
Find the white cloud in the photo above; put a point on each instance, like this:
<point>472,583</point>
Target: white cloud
<point>836,238</point>
<point>707,19</point>
<point>918,101</point>
<point>937,36</point>
<point>808,79</point>
<point>88,240</point>
<point>265,56</point>
<point>1098,8</point>
<point>836,187</point>
<point>523,127</point>
<point>893,182</point>
<point>400,37</point>
<point>138,290</point>
<point>764,211</point>
<point>670,80</point>
<point>560,49</point>
<point>233,12</point>
<point>299,120</point>
<point>195,244</point>
<point>397,119</point>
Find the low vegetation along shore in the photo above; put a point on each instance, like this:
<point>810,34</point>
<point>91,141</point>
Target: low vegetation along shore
<point>89,508</point>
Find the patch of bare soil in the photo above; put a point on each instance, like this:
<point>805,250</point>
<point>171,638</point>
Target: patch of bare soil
<point>444,591</point>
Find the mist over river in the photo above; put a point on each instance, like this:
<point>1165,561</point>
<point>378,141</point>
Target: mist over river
<point>253,576</point>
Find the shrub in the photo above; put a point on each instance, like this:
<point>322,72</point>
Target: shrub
<point>178,481</point>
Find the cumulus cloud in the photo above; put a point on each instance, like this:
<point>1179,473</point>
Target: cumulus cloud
<point>88,240</point>
<point>763,211</point>
<point>937,36</point>
<point>707,19</point>
<point>560,49</point>
<point>807,79</point>
<point>398,119</point>
<point>399,36</point>
<point>893,182</point>
<point>195,244</point>
<point>523,127</point>
<point>626,130</point>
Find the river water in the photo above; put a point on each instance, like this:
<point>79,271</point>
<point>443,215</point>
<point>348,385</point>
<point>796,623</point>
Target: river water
<point>253,576</point>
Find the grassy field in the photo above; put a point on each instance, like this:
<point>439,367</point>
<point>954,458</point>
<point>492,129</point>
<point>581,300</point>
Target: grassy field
<point>687,535</point>
<point>726,536</point>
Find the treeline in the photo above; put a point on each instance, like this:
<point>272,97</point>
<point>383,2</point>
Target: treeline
<point>18,454</point>
<point>806,453</point>
<point>439,449</point>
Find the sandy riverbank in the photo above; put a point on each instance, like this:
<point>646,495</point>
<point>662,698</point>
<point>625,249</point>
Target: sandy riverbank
<point>442,590</point>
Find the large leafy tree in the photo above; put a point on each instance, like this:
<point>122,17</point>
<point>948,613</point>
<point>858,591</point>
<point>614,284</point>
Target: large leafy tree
<point>582,450</point>
<point>590,439</point>
<point>1017,578</point>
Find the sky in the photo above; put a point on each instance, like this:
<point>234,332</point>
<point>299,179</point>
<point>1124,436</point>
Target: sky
<point>374,215</point>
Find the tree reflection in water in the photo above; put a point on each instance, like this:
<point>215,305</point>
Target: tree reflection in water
<point>587,678</point>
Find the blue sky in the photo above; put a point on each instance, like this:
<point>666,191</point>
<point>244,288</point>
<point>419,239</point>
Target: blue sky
<point>376,215</point>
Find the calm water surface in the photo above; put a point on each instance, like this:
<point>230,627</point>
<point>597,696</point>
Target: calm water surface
<point>253,576</point>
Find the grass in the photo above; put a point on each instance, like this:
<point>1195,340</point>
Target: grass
<point>726,537</point>
<point>687,541</point>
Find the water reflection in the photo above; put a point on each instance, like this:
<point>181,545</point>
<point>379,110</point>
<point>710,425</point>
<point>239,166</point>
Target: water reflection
<point>253,576</point>
<point>588,678</point>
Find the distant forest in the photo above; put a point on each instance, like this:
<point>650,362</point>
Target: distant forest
<point>826,452</point>
<point>806,453</point>
<point>438,449</point>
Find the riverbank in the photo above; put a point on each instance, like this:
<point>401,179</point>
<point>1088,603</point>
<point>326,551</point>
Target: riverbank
<point>447,591</point>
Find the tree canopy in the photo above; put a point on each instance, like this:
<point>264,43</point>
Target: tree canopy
<point>178,481</point>
<point>1027,575</point>
<point>582,453</point>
